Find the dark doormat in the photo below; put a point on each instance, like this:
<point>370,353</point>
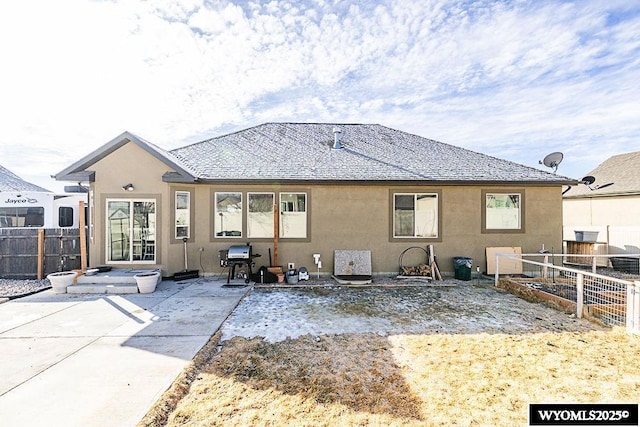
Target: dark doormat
<point>188,274</point>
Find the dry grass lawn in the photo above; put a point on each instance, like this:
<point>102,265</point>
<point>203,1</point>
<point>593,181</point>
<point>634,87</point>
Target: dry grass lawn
<point>401,380</point>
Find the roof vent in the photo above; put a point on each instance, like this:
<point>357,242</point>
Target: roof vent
<point>337,136</point>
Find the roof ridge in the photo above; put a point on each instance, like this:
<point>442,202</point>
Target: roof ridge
<point>269,123</point>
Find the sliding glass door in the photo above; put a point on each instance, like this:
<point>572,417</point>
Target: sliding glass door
<point>131,231</point>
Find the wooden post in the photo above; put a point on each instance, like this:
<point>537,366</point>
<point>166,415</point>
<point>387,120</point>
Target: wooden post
<point>83,236</point>
<point>40,253</point>
<point>435,271</point>
<point>276,233</point>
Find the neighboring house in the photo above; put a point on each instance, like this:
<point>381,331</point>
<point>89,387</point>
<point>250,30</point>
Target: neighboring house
<point>609,206</point>
<point>335,186</point>
<point>26,205</point>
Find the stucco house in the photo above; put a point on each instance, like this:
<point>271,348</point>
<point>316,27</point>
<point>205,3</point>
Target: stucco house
<point>335,186</point>
<point>609,206</point>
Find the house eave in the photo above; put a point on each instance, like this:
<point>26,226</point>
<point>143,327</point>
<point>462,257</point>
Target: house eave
<point>598,196</point>
<point>385,182</point>
<point>80,176</point>
<point>174,177</point>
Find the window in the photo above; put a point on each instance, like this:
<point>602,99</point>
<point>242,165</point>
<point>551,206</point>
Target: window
<point>260,215</point>
<point>65,216</point>
<point>228,215</point>
<point>183,215</point>
<point>503,211</point>
<point>293,215</point>
<point>131,230</point>
<point>22,217</point>
<point>415,215</point>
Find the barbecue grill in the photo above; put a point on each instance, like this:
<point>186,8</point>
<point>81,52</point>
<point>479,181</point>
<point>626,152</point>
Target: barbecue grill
<point>237,255</point>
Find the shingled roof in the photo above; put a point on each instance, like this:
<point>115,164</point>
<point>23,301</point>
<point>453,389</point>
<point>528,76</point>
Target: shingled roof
<point>622,170</point>
<point>9,181</point>
<point>371,152</point>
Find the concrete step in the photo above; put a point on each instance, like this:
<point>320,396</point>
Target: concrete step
<point>115,276</point>
<point>105,279</point>
<point>103,288</point>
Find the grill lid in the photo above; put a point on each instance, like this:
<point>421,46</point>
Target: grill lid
<point>239,252</point>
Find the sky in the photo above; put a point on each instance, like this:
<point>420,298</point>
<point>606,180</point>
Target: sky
<point>515,79</point>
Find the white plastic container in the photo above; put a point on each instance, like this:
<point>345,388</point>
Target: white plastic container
<point>586,236</point>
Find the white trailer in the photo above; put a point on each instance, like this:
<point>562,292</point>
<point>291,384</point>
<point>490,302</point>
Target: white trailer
<point>34,209</point>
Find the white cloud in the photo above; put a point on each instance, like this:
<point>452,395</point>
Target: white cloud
<point>514,79</point>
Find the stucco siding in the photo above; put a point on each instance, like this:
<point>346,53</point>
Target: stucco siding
<point>358,217</point>
<point>129,164</point>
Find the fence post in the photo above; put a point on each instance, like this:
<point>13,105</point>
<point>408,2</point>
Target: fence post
<point>579,294</point>
<point>40,269</point>
<point>83,236</point>
<point>633,308</point>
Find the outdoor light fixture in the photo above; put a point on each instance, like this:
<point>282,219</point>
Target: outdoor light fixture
<point>128,187</point>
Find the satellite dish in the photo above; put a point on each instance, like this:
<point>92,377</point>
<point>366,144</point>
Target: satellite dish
<point>588,180</point>
<point>552,160</point>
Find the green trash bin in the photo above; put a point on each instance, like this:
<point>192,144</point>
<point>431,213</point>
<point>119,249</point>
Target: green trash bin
<point>462,267</point>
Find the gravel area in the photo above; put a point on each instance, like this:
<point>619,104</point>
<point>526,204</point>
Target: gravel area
<point>14,288</point>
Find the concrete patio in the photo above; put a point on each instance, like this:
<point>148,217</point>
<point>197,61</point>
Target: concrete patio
<point>102,360</point>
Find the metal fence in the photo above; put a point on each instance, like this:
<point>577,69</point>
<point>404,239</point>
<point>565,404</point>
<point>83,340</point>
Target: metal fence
<point>590,293</point>
<point>26,253</point>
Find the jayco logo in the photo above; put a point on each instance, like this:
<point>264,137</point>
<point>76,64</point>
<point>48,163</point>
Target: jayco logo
<point>21,201</point>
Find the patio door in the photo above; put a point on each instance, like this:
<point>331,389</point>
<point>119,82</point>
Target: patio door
<point>131,231</point>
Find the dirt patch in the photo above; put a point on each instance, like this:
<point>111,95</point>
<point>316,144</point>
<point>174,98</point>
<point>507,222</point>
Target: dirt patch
<point>322,369</point>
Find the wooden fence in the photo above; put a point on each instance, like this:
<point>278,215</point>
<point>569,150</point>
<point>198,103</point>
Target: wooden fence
<point>33,253</point>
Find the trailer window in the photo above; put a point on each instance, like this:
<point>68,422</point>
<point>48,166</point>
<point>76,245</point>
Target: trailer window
<point>65,216</point>
<point>22,217</point>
